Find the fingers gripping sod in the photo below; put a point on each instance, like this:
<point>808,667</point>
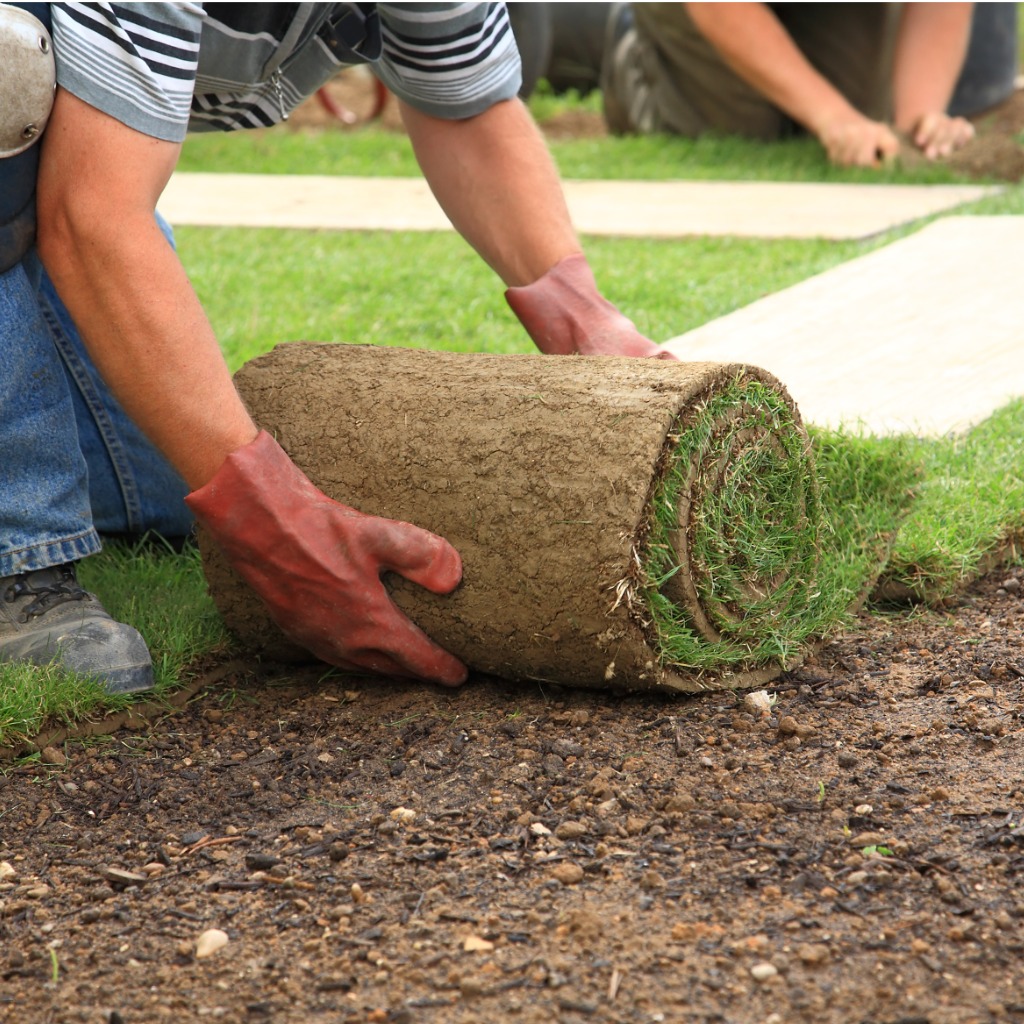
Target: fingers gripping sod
<point>418,555</point>
<point>857,141</point>
<point>937,134</point>
<point>317,564</point>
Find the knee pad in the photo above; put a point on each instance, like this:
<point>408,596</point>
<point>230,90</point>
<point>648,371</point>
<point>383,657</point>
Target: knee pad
<point>26,99</point>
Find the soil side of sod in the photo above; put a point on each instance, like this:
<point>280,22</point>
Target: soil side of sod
<point>380,851</point>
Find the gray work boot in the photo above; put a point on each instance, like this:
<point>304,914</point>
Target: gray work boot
<point>626,95</point>
<point>45,616</point>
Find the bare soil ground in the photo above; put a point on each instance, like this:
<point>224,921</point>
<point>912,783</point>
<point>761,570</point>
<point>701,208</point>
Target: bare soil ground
<point>375,851</point>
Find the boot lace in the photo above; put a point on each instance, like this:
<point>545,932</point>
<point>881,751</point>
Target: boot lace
<point>47,588</point>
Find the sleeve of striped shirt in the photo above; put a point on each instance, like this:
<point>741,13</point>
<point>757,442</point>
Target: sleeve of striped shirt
<point>136,62</point>
<point>449,60</point>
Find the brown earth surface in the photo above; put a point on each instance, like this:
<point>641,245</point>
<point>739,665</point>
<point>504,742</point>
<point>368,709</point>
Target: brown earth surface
<point>375,851</point>
<point>380,851</point>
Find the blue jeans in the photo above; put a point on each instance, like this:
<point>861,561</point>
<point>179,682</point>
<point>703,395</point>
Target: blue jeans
<point>72,464</point>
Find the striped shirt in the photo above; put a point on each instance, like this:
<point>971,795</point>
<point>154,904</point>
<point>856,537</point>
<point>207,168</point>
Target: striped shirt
<point>165,69</point>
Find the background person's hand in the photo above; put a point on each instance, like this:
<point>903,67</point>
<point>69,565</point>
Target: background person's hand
<point>317,564</point>
<point>565,314</point>
<point>938,135</point>
<point>856,141</point>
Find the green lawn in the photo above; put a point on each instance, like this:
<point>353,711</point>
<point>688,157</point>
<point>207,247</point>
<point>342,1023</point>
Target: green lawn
<point>375,151</point>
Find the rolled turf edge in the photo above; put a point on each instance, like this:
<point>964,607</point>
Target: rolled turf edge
<point>623,523</point>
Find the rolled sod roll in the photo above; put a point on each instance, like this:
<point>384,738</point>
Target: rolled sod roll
<point>623,523</point>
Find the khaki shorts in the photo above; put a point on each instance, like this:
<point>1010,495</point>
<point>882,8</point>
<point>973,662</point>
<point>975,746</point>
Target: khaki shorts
<point>664,76</point>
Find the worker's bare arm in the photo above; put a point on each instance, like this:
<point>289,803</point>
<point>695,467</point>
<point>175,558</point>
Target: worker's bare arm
<point>316,563</point>
<point>99,183</point>
<point>496,181</point>
<point>930,48</point>
<point>754,43</point>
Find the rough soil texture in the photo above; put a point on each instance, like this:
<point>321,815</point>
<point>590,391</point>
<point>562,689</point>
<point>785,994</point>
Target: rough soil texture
<point>383,852</point>
<point>997,150</point>
<point>995,153</point>
<point>377,851</point>
<point>542,473</point>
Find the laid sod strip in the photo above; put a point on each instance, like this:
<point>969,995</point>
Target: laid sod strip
<point>969,516</point>
<point>92,720</point>
<point>31,698</point>
<point>372,150</point>
<point>261,285</point>
<point>585,496</point>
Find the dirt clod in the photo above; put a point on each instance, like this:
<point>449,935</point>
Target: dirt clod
<point>567,873</point>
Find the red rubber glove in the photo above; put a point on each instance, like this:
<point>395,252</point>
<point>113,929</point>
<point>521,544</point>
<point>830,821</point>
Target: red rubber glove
<point>317,564</point>
<point>566,315</point>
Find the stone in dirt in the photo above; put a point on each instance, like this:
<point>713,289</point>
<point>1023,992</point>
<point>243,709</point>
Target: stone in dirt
<point>209,942</point>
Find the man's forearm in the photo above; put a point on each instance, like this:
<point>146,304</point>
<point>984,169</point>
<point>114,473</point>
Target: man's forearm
<point>149,338</point>
<point>127,291</point>
<point>494,178</point>
<point>930,50</point>
<point>752,41</point>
